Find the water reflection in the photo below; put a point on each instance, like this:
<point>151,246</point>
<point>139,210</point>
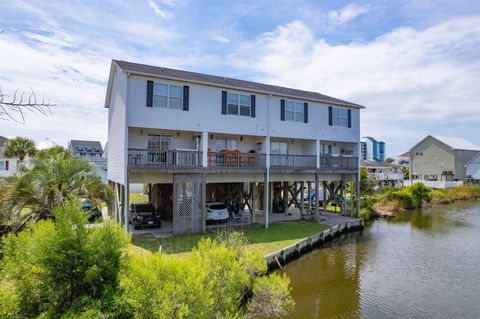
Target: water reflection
<point>422,264</point>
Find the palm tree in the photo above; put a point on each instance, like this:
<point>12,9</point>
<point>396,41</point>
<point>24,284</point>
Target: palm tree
<point>20,147</point>
<point>48,181</point>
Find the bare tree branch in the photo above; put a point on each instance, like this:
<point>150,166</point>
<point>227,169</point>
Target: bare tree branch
<point>17,106</point>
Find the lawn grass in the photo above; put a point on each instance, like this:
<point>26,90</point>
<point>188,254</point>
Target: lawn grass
<point>137,197</point>
<point>265,241</point>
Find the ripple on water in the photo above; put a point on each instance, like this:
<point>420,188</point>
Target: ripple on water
<point>421,265</point>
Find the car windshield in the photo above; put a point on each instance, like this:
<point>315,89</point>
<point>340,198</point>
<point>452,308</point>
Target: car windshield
<point>145,210</point>
<point>218,206</point>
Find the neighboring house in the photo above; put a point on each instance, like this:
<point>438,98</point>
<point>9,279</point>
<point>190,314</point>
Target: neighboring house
<point>383,173</point>
<point>473,170</point>
<point>194,137</point>
<point>443,159</point>
<point>8,166</point>
<point>372,150</point>
<point>403,159</point>
<point>92,152</point>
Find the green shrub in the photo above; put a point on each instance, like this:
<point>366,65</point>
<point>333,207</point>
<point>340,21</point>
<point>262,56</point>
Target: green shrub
<point>420,194</point>
<point>215,281</point>
<point>56,267</point>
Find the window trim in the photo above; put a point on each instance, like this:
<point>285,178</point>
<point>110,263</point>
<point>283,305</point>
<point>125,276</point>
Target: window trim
<point>301,106</point>
<point>168,96</point>
<point>341,118</point>
<point>239,105</point>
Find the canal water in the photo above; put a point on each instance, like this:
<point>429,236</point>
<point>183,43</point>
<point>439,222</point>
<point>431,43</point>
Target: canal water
<point>420,264</point>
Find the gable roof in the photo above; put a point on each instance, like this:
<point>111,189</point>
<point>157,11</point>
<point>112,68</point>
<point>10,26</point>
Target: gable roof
<point>155,71</point>
<point>373,164</point>
<point>455,143</point>
<point>92,146</point>
<point>369,138</point>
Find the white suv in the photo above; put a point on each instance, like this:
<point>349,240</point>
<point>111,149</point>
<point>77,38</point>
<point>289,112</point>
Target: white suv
<point>217,211</point>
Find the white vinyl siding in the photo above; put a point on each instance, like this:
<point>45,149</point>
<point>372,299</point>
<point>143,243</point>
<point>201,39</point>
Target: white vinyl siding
<point>339,117</point>
<point>238,104</point>
<point>167,96</point>
<point>294,111</point>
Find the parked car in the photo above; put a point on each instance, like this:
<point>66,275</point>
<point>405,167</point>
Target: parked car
<point>217,211</point>
<point>144,215</point>
<point>92,212</point>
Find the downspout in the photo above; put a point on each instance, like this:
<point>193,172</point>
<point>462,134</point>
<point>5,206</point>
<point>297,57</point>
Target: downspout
<point>267,163</point>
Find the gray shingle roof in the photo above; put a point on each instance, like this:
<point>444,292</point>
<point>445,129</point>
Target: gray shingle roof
<point>223,81</point>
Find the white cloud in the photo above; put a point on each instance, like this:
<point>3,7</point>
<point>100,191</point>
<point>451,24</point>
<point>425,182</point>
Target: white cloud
<point>167,15</point>
<point>413,82</point>
<point>221,39</point>
<point>346,14</point>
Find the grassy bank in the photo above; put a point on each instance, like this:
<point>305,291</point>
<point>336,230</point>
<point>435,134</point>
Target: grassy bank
<point>388,200</point>
<point>275,237</point>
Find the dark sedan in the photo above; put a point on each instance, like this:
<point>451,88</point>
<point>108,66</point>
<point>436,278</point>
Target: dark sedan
<point>144,215</point>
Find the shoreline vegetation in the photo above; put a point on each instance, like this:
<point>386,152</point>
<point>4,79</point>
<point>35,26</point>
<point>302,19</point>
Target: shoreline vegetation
<point>388,201</point>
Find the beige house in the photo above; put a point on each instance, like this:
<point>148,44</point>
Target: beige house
<point>437,158</point>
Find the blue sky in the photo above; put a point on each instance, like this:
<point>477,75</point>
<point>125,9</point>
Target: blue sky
<point>414,64</point>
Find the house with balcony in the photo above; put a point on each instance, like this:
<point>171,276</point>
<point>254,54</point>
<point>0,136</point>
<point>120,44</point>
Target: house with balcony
<point>91,152</point>
<point>194,138</point>
<point>440,161</point>
<point>384,174</point>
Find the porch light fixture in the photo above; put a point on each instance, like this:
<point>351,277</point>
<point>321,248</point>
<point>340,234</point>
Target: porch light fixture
<point>241,138</point>
<point>211,136</point>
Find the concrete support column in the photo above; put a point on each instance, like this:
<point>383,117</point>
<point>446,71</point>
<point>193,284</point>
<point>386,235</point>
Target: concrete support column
<point>204,148</point>
<point>302,196</point>
<point>254,200</point>
<point>309,190</point>
<point>285,186</point>
<point>325,201</point>
<point>126,190</point>
<point>266,193</point>
<point>357,183</point>
<point>318,153</point>
<point>316,198</point>
<point>204,202</point>
<point>342,205</point>
<point>351,196</point>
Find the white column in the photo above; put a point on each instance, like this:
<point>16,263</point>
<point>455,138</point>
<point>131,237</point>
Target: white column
<point>318,153</point>
<point>204,149</point>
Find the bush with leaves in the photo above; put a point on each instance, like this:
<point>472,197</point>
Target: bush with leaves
<point>61,267</point>
<point>220,279</point>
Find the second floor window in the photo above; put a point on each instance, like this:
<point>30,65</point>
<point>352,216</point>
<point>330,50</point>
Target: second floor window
<point>238,104</point>
<point>294,111</point>
<point>167,96</point>
<point>340,117</point>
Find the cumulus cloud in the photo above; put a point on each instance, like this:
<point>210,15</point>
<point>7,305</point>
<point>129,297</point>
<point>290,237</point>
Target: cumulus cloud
<point>413,81</point>
<point>221,39</point>
<point>346,14</point>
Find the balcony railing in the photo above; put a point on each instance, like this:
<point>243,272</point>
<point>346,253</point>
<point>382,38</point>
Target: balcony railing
<point>144,158</point>
<point>233,159</point>
<point>293,161</point>
<point>387,176</point>
<point>330,162</point>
